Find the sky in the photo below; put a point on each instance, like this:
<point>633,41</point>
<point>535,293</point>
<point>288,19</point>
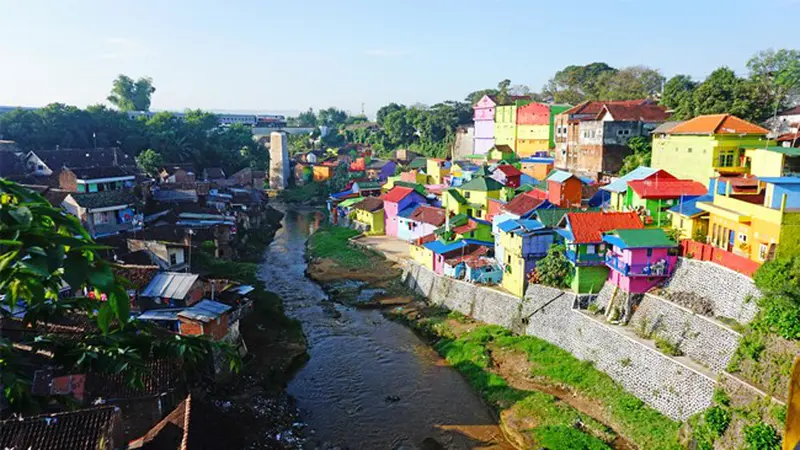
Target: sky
<point>286,56</point>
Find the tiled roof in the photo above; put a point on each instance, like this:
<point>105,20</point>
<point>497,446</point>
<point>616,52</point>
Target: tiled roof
<point>482,184</point>
<point>645,112</point>
<point>191,425</point>
<point>370,204</point>
<point>470,225</point>
<point>587,227</point>
<point>639,238</point>
<point>86,429</point>
<point>594,107</point>
<point>104,199</point>
<point>666,126</point>
<point>791,111</point>
<point>77,158</point>
<point>93,173</point>
<point>158,377</point>
<point>139,275</point>
<point>551,217</point>
<point>429,215</point>
<point>717,124</point>
<point>522,204</point>
<point>480,251</point>
<point>655,189</point>
<point>509,170</point>
<point>396,194</point>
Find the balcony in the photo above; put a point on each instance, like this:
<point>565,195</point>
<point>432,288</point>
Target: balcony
<point>655,269</point>
<point>586,259</point>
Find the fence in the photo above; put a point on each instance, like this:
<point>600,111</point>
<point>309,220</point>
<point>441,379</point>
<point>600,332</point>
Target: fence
<point>705,252</point>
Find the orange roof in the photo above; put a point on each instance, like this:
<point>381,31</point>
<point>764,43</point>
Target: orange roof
<point>588,227</point>
<point>717,124</point>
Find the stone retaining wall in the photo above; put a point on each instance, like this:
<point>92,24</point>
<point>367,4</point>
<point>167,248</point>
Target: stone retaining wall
<point>661,382</point>
<point>700,338</point>
<point>727,290</point>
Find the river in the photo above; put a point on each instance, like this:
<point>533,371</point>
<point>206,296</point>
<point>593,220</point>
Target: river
<point>369,383</point>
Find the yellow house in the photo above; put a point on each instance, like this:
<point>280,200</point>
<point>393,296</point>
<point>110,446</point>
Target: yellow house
<point>519,244</point>
<point>368,216</point>
<point>421,255</point>
<point>453,202</point>
<point>771,161</point>
<point>706,147</point>
<point>437,169</point>
<point>758,227</point>
<point>322,172</point>
<point>501,153</point>
<point>505,125</point>
<point>690,219</point>
<point>476,194</point>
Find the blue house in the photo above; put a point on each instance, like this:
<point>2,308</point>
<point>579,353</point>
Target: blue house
<point>483,270</point>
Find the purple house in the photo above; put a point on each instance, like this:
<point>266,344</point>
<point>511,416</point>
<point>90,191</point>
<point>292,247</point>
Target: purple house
<point>483,116</point>
<point>380,169</point>
<point>639,259</point>
<point>396,200</point>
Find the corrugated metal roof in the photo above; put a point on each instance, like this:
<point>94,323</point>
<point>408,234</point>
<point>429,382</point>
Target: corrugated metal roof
<point>170,285</point>
<point>621,183</point>
<point>160,314</point>
<point>559,176</point>
<point>205,311</point>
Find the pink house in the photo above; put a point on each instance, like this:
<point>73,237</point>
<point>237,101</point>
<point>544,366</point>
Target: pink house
<point>483,116</point>
<point>394,201</point>
<point>639,259</point>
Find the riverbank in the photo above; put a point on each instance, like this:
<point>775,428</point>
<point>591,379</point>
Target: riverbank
<point>542,395</point>
<point>254,409</point>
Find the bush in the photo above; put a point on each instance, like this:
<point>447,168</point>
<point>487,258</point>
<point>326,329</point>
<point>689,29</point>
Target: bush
<point>563,437</point>
<point>554,269</point>
<point>717,419</point>
<point>761,437</point>
<point>668,347</point>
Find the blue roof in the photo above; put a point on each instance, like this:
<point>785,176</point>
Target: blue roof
<point>440,247</point>
<point>560,176</point>
<point>689,207</point>
<point>566,234</point>
<point>780,180</point>
<point>342,194</point>
<point>525,224</point>
<point>527,179</point>
<point>406,212</point>
<point>205,311</point>
<point>540,159</point>
<point>621,184</point>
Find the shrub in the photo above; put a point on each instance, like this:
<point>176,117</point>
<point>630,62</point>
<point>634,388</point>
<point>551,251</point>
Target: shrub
<point>554,269</point>
<point>717,419</point>
<point>761,437</point>
<point>563,437</point>
<point>668,347</point>
<point>721,397</point>
<point>208,246</point>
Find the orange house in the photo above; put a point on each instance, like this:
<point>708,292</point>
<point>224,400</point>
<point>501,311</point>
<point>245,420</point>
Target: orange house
<point>323,172</point>
<point>537,168</point>
<point>564,189</point>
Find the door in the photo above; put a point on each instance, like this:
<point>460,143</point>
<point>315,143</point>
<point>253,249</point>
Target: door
<point>731,239</point>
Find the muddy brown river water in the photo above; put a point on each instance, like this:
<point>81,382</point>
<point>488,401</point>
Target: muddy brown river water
<point>369,383</point>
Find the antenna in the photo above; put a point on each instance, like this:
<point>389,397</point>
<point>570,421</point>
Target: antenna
<point>362,109</point>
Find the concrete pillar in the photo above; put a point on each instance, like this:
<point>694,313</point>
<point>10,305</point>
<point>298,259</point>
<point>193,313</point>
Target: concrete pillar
<point>278,160</point>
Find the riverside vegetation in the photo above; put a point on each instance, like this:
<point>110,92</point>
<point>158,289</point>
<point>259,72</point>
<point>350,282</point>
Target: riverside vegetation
<point>543,395</point>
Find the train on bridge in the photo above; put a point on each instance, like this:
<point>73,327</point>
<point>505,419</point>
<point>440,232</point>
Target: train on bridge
<point>252,120</point>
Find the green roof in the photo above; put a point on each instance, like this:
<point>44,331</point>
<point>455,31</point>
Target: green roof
<point>483,184</point>
<point>644,238</point>
<point>788,151</point>
<point>350,201</point>
<point>475,157</point>
<point>369,184</point>
<point>418,163</point>
<point>456,195</point>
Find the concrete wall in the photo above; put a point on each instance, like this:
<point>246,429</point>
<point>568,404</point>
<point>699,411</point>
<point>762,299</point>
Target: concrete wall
<point>660,381</point>
<point>464,144</point>
<point>725,289</point>
<point>700,338</point>
<point>278,161</point>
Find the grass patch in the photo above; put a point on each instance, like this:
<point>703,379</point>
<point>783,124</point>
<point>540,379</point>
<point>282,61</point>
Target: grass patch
<point>307,193</point>
<point>332,242</point>
<point>567,438</point>
<point>668,347</point>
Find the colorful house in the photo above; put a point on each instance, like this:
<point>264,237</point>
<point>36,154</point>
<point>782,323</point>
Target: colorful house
<point>564,189</point>
<point>521,207</point>
<point>476,194</point>
<point>639,259</point>
<point>322,172</point>
<point>536,167</point>
<point>507,175</point>
<point>533,129</point>
<point>380,169</point>
<point>773,161</point>
<point>482,270</point>
<point>483,117</point>
<point>501,152</point>
<point>104,213</point>
<point>466,227</point>
<point>520,243</point>
<point>397,199</point>
<point>505,121</point>
<point>442,251</point>
<point>414,176</point>
<point>583,236</point>
<point>759,227</point>
<point>618,189</point>
<point>437,170</point>
<point>689,219</point>
<point>421,254</point>
<point>95,179</point>
<point>368,216</point>
<point>707,146</point>
<point>652,198</point>
<point>417,221</point>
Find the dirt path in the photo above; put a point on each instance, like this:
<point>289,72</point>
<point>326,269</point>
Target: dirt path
<point>514,367</point>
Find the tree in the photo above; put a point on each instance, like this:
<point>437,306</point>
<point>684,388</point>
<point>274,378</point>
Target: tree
<point>574,84</point>
<point>150,162</point>
<point>554,269</point>
<point>307,119</point>
<point>630,83</point>
<point>777,75</point>
<point>331,117</point>
<point>641,156</point>
<point>129,95</point>
<point>678,96</point>
<point>42,249</point>
<point>724,92</point>
<point>399,129</point>
<point>384,111</point>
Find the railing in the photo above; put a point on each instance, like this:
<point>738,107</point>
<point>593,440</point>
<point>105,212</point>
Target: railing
<point>653,269</point>
<point>705,252</point>
<point>586,259</point>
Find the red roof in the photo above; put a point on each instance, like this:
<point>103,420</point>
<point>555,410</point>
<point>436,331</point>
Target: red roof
<point>480,251</point>
<point>789,137</point>
<point>396,194</point>
<point>522,204</point>
<point>645,112</point>
<point>471,225</point>
<point>537,193</point>
<point>594,107</point>
<point>509,170</point>
<point>655,189</point>
<point>588,227</point>
<point>429,214</point>
<point>427,238</point>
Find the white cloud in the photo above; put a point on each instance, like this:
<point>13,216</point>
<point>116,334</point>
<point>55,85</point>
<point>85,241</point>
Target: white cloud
<point>386,53</point>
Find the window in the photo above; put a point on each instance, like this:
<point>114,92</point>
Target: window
<point>173,259</point>
<point>590,249</point>
<point>649,252</point>
<point>742,237</point>
<point>466,194</point>
<point>689,150</point>
<point>726,158</point>
<point>508,259</point>
<point>762,252</point>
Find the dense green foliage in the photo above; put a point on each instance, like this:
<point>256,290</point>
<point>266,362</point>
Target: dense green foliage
<point>554,269</point>
<point>40,249</point>
<point>150,162</point>
<point>762,437</point>
<point>564,437</point>
<point>196,138</point>
<point>642,153</point>
<point>129,95</point>
<point>599,81</point>
<point>779,283</point>
<point>717,419</point>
